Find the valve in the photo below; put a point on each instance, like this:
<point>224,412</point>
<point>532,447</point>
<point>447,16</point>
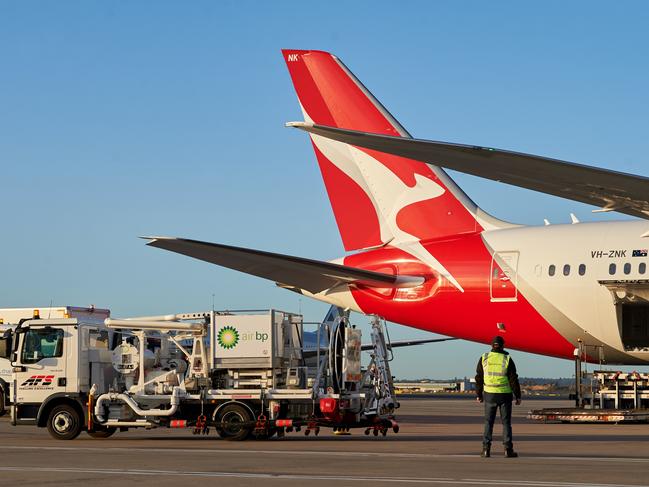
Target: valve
<point>201,426</point>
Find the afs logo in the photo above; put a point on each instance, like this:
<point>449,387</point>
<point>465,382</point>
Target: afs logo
<point>38,381</point>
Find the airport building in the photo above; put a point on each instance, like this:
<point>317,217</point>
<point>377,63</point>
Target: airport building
<point>435,386</point>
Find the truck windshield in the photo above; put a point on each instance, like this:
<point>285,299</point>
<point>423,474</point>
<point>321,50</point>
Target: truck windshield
<point>42,343</point>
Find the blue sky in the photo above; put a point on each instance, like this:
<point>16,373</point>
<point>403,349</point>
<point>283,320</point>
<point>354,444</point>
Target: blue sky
<point>120,119</point>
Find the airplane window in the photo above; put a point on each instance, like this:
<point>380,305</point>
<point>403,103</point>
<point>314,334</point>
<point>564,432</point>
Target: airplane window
<point>611,269</point>
<point>551,270</point>
<point>566,270</point>
<point>627,268</point>
<point>582,269</point>
<point>642,268</point>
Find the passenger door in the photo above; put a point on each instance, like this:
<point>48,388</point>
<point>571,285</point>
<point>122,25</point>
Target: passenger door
<point>503,279</point>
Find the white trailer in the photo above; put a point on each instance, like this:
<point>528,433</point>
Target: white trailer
<point>5,375</point>
<point>246,374</point>
<point>11,317</point>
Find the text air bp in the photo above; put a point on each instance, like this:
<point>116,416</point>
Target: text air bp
<point>231,338</point>
<point>245,336</point>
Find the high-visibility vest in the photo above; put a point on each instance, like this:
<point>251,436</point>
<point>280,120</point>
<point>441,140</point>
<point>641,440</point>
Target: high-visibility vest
<point>495,373</point>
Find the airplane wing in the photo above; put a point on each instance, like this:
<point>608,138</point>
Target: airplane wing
<point>312,275</point>
<point>610,190</point>
<point>312,352</point>
<point>409,343</point>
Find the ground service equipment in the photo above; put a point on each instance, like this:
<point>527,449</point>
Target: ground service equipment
<point>603,396</point>
<point>11,317</point>
<point>245,374</point>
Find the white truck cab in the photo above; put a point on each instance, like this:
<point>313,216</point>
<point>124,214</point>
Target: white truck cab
<point>43,360</point>
<point>11,317</point>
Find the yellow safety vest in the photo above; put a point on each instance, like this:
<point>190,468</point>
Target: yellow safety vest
<point>495,373</point>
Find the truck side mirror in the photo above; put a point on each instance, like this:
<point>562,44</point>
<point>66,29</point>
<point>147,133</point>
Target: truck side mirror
<point>5,347</point>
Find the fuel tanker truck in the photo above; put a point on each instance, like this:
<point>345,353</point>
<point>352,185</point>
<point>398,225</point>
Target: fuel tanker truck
<point>246,374</point>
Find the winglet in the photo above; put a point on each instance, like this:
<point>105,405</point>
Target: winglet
<point>152,238</point>
<point>299,125</point>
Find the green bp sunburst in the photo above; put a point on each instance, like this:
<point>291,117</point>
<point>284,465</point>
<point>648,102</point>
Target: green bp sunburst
<point>228,337</point>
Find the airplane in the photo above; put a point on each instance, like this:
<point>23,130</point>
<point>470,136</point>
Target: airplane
<point>421,253</point>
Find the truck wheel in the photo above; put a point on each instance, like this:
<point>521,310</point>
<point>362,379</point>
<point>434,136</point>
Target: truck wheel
<point>233,418</point>
<point>2,402</point>
<point>64,422</point>
<point>103,433</point>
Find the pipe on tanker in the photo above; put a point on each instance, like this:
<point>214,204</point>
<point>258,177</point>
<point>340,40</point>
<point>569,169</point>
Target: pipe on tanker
<point>128,400</point>
<point>152,325</point>
<point>155,318</point>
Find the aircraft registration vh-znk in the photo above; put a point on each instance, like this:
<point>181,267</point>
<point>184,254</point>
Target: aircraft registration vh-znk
<point>422,254</point>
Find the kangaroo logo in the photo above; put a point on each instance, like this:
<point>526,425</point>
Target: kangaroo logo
<point>389,195</point>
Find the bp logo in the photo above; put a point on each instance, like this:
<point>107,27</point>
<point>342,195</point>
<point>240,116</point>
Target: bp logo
<point>228,337</point>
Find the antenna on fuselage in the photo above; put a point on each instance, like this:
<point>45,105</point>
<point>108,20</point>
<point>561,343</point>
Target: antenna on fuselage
<point>573,218</point>
<point>546,221</point>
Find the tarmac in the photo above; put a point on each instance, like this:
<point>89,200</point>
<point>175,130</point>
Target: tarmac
<point>439,444</point>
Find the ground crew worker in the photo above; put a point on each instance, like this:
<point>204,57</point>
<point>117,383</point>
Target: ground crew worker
<point>497,386</point>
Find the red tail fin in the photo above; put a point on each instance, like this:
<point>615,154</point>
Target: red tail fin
<point>376,197</point>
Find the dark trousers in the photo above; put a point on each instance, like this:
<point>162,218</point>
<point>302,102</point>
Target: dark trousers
<point>493,402</point>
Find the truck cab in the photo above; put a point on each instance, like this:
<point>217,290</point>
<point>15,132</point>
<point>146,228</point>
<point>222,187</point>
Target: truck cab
<point>10,318</point>
<point>49,387</point>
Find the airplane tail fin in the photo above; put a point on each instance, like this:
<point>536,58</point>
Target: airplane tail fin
<point>376,197</point>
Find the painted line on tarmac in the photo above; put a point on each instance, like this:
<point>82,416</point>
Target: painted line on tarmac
<point>303,477</point>
<point>319,453</point>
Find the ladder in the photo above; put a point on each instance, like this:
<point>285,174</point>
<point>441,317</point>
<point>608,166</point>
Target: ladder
<point>380,397</point>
